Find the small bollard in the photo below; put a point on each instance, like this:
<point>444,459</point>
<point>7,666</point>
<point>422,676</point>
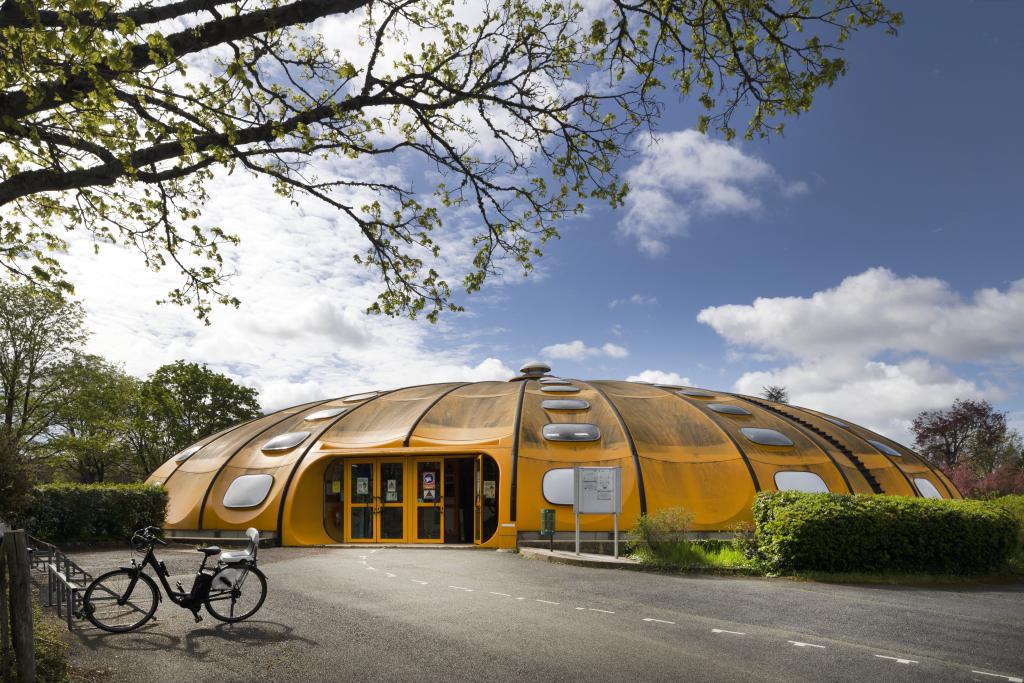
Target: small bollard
<point>547,527</point>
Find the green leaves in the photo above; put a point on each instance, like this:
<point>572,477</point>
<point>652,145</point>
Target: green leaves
<point>118,114</point>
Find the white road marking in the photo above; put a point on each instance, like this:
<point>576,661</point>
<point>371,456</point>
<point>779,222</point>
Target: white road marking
<point>900,660</point>
<point>390,575</point>
<point>548,602</point>
<point>422,583</point>
<point>1014,679</point>
<point>581,608</point>
<point>460,588</point>
<point>372,569</point>
<point>659,621</point>
<point>799,644</point>
<point>504,595</point>
<point>362,557</point>
<point>722,630</point>
<point>604,611</point>
<point>520,598</point>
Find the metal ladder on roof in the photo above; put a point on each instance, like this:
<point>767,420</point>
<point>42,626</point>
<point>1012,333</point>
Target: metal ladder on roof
<point>851,456</point>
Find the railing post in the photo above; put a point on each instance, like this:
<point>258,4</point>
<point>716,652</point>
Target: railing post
<point>16,552</point>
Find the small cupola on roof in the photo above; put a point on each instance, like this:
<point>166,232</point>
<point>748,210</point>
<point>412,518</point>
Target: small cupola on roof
<point>533,370</point>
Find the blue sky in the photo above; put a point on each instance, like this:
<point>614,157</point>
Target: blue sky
<point>896,199</point>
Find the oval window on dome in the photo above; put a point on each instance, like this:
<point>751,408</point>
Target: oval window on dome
<point>728,409</point>
<point>927,488</point>
<point>284,442</point>
<point>187,453</point>
<point>695,393</point>
<point>324,414</point>
<point>360,397</point>
<point>559,389</point>
<point>837,423</point>
<point>553,380</point>
<point>248,490</point>
<point>667,386</point>
<point>571,432</point>
<point>557,486</point>
<point>883,448</point>
<point>808,482</point>
<point>766,437</point>
<point>564,404</point>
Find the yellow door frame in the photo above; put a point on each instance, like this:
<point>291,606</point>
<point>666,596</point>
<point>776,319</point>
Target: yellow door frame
<point>419,500</point>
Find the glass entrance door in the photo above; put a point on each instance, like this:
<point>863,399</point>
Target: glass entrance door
<point>375,504</point>
<point>429,506</point>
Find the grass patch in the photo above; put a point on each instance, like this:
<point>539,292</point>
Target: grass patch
<point>687,555</point>
<point>51,651</point>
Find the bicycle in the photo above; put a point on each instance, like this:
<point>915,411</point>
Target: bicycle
<point>124,599</point>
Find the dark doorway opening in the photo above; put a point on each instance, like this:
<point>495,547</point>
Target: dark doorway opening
<point>458,500</point>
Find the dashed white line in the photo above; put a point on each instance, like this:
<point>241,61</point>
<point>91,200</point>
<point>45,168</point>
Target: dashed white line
<point>1014,679</point>
<point>371,569</point>
<point>547,602</point>
<point>422,583</point>
<point>899,660</point>
<point>659,621</point>
<point>722,630</point>
<point>603,611</point>
<point>504,595</point>
<point>460,588</point>
<point>390,575</point>
<point>520,598</point>
<point>799,644</point>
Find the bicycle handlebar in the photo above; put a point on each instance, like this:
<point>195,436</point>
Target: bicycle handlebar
<point>149,534</point>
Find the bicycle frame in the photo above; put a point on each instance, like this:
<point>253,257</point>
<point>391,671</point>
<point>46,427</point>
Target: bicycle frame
<point>190,599</point>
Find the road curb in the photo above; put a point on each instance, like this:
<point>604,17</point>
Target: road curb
<point>628,565</point>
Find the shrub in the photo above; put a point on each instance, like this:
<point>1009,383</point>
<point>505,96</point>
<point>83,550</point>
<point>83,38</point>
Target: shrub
<point>93,512</point>
<point>50,650</point>
<point>840,533</point>
<point>661,527</point>
<point>1015,506</point>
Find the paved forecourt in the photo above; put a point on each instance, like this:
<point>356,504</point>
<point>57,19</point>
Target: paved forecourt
<point>394,614</point>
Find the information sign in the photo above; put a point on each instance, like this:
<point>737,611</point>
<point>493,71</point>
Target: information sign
<point>598,491</point>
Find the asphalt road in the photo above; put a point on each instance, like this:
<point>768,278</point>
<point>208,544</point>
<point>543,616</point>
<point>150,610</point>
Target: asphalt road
<point>433,614</point>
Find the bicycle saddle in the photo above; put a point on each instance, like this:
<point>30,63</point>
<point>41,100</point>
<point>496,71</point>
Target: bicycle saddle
<point>209,550</point>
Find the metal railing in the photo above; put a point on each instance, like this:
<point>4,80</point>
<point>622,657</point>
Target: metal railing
<point>65,580</point>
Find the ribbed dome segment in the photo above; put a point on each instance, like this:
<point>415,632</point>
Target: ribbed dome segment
<point>705,450</point>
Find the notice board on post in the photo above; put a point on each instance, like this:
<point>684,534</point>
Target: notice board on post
<point>598,491</point>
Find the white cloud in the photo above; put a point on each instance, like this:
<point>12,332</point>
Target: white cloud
<point>660,377</point>
<point>878,311</point>
<point>635,300</point>
<point>882,396</point>
<point>300,333</point>
<point>684,175</point>
<point>838,340</point>
<point>577,350</point>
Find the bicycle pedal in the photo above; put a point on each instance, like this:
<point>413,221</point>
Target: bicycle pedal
<point>198,616</point>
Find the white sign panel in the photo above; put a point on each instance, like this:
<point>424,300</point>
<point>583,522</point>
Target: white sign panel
<point>598,490</point>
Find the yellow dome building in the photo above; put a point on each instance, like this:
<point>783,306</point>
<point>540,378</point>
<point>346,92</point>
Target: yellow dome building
<point>476,462</point>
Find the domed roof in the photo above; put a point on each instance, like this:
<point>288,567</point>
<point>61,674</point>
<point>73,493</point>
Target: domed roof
<point>723,439</point>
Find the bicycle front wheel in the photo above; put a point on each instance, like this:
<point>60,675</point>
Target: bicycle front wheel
<point>120,601</point>
<point>236,593</point>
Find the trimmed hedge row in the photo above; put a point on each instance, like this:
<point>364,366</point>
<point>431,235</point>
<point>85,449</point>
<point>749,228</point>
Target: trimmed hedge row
<point>60,513</point>
<point>1015,506</point>
<point>841,533</point>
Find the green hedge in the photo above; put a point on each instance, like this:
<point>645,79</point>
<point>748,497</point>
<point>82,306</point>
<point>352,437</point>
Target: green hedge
<point>840,533</point>
<point>1015,506</point>
<point>59,513</point>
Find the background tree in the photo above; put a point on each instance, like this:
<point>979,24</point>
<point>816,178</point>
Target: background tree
<point>92,420</point>
<point>39,331</point>
<point>775,392</point>
<point>114,115</point>
<point>972,443</point>
<point>180,404</point>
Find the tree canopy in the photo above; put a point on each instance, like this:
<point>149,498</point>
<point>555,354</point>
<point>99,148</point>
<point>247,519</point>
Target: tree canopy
<point>115,116</point>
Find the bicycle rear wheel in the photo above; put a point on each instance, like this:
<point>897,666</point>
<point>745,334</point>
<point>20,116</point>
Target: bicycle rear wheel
<point>236,593</point>
<point>120,601</point>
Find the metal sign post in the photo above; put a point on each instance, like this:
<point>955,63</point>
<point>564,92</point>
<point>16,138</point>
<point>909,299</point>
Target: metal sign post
<point>598,491</point>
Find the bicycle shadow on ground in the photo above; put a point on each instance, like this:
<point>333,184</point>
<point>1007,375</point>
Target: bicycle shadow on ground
<point>200,643</point>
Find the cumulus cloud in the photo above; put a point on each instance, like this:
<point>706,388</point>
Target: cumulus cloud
<point>686,174</point>
<point>300,333</point>
<point>878,311</point>
<point>660,377</point>
<point>577,350</point>
<point>839,342</point>
<point>635,300</point>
